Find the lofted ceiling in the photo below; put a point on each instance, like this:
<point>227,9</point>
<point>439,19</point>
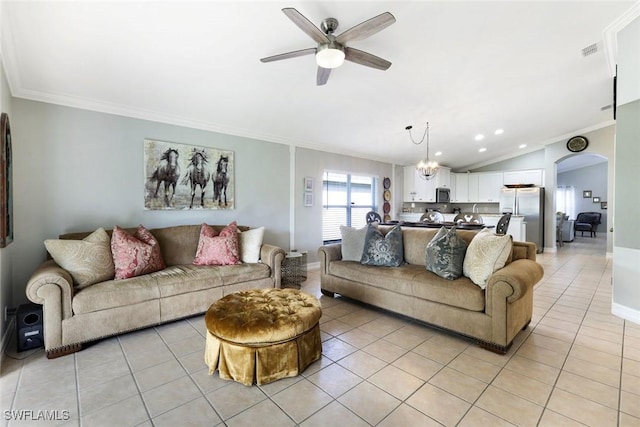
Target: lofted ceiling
<point>466,67</point>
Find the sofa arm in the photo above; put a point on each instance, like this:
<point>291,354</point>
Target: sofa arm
<point>521,275</point>
<point>327,254</point>
<point>273,257</point>
<point>52,287</point>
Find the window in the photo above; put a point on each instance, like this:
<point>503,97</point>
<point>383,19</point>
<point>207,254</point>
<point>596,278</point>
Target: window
<point>346,199</point>
<point>565,200</point>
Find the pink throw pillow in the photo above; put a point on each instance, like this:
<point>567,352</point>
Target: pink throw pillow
<point>218,249</point>
<point>135,255</point>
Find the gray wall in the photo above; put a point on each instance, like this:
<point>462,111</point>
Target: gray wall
<point>78,170</point>
<point>593,178</point>
<point>626,268</point>
<point>312,163</point>
<point>6,290</point>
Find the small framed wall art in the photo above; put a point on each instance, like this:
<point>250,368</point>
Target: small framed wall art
<point>603,205</point>
<point>308,184</point>
<point>586,194</point>
<point>308,198</point>
<point>596,199</point>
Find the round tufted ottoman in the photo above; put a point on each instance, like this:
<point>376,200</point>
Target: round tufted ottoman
<point>262,335</point>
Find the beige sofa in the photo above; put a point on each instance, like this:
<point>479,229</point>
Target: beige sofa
<point>492,316</point>
<point>74,316</point>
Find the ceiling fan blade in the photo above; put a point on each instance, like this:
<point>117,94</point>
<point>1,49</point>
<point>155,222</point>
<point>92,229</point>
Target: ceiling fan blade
<point>323,76</point>
<point>364,58</point>
<point>366,28</point>
<point>305,25</point>
<point>288,55</point>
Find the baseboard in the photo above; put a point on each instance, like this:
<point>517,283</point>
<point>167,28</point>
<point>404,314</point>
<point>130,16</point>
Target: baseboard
<point>626,313</point>
<point>8,333</point>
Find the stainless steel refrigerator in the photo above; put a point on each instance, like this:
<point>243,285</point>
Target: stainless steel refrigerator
<point>528,202</point>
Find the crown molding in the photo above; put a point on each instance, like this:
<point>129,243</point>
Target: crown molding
<point>610,33</point>
<point>155,116</point>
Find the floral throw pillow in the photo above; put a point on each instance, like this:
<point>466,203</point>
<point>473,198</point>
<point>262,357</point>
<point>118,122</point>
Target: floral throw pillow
<point>445,254</point>
<point>135,255</point>
<point>218,249</point>
<point>383,250</point>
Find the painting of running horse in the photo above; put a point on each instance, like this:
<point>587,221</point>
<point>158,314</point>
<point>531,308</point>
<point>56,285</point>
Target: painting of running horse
<point>187,177</point>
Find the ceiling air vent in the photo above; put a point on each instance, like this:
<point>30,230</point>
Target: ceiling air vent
<point>606,107</point>
<point>590,50</point>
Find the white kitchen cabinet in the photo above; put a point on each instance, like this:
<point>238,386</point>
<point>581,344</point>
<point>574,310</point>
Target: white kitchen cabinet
<point>533,176</point>
<point>443,178</point>
<point>424,190</point>
<point>473,187</point>
<point>489,185</point>
<point>461,188</point>
<point>409,186</point>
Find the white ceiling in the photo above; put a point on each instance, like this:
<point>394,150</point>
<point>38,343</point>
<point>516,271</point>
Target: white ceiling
<point>466,67</point>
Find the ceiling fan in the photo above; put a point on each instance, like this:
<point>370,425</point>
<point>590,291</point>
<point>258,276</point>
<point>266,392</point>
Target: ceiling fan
<point>331,50</point>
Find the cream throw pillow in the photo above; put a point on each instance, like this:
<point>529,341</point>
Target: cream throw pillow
<point>486,253</point>
<point>88,261</point>
<point>352,242</point>
<point>250,244</point>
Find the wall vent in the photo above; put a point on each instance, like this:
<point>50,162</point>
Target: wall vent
<point>590,50</point>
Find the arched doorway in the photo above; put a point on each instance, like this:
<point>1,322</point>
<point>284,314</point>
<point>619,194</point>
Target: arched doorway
<point>582,186</point>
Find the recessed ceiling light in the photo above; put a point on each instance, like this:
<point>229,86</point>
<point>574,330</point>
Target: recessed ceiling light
<point>499,131</point>
<point>482,150</point>
<point>439,153</point>
<point>522,145</point>
<point>479,137</point>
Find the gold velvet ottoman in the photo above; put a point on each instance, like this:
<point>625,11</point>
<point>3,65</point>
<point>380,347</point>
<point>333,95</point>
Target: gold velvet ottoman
<point>262,335</point>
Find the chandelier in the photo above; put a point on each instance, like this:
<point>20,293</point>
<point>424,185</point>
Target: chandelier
<point>426,168</point>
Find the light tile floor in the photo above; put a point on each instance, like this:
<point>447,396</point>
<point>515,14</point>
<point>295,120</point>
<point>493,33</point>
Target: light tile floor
<point>575,365</point>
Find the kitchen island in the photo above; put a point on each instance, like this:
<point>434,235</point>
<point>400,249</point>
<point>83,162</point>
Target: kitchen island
<point>517,226</point>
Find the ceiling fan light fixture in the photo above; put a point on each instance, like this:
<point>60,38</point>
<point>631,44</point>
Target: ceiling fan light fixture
<point>330,55</point>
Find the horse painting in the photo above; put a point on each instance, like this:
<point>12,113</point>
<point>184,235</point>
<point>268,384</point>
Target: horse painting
<point>221,181</point>
<point>167,172</point>
<point>197,174</point>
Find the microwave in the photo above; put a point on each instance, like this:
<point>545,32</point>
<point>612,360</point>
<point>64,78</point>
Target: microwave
<point>443,195</point>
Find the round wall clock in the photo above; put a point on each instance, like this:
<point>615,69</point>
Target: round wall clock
<point>577,143</point>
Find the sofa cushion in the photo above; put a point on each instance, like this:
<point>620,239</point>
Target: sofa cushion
<point>413,281</point>
<point>383,250</point>
<point>250,242</point>
<point>181,279</point>
<point>218,249</point>
<point>445,254</point>
<point>88,260</point>
<point>486,253</point>
<point>352,242</point>
<point>115,293</point>
<point>134,255</point>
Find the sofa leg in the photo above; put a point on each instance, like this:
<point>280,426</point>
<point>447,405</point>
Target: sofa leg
<point>525,325</point>
<point>495,348</point>
<point>327,293</point>
<point>63,351</point>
